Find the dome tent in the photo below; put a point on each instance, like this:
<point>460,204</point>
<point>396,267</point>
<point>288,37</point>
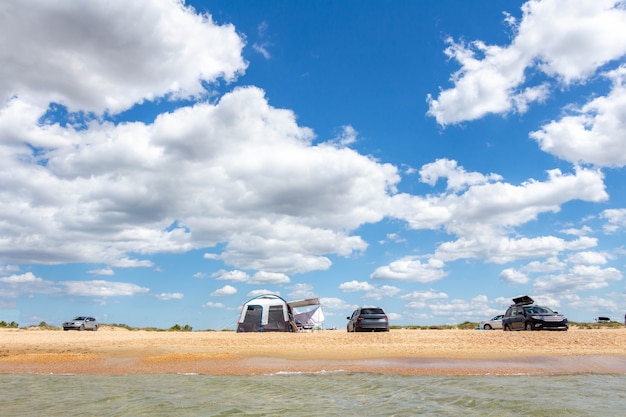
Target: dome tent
<point>266,313</point>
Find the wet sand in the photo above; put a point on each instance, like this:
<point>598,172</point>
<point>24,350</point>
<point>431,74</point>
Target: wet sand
<point>432,352</point>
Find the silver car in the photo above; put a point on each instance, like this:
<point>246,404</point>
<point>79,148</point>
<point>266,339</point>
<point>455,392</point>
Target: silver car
<point>81,323</point>
<point>494,323</point>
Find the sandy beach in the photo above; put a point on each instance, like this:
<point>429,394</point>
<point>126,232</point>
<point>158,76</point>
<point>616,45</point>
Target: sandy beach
<point>120,351</point>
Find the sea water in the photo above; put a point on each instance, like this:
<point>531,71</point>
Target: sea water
<point>342,394</point>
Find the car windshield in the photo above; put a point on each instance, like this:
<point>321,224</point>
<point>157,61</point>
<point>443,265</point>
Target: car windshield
<point>79,318</point>
<point>538,310</point>
<point>372,311</point>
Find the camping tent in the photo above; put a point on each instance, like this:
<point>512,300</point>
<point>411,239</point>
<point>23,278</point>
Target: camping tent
<point>266,313</point>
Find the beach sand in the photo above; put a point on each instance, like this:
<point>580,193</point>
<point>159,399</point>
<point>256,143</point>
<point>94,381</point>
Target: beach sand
<point>113,350</point>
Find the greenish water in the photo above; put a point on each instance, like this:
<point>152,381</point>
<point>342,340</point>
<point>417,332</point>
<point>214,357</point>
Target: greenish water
<point>317,394</point>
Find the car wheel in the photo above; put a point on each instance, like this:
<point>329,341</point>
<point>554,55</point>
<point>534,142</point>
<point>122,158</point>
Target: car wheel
<point>529,326</point>
<point>95,328</point>
<point>507,328</point>
<point>487,327</point>
<point>81,328</point>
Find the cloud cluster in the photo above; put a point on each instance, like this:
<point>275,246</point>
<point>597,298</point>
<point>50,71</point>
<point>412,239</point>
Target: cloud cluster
<point>566,41</point>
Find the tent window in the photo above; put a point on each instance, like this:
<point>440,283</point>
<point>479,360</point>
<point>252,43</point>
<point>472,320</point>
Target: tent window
<point>276,314</point>
<point>253,314</point>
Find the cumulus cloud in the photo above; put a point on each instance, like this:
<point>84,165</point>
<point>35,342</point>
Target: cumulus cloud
<point>333,303</point>
<point>224,291</point>
<point>256,293</point>
<point>263,277</point>
<point>567,42</point>
<point>370,291</point>
<point>490,205</point>
<point>411,269</point>
<point>588,258</point>
<point>354,285</point>
<point>513,276</point>
<point>456,177</point>
<point>109,55</point>
<point>616,219</point>
<point>593,133</point>
<point>578,278</point>
<point>457,308</point>
<point>272,194</point>
<point>482,210</point>
<point>236,275</point>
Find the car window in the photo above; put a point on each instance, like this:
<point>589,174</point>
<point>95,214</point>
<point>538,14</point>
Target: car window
<point>372,311</point>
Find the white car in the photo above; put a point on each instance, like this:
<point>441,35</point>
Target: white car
<point>494,323</point>
<point>81,323</point>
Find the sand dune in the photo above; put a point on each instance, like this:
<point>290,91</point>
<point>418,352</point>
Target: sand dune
<point>117,351</point>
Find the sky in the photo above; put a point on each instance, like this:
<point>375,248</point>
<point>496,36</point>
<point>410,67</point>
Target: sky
<point>162,162</point>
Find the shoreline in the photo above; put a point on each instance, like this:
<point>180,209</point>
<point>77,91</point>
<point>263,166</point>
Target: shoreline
<point>112,351</point>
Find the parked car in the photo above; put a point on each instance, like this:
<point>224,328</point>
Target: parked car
<point>526,315</point>
<point>494,323</point>
<point>81,323</point>
<point>368,319</point>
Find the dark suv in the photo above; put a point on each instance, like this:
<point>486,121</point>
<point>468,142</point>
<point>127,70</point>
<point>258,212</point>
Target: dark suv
<point>368,319</point>
<point>525,315</point>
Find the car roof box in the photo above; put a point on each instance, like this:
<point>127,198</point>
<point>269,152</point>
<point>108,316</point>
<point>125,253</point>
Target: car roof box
<point>523,300</point>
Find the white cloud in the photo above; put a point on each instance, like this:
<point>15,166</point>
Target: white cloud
<point>354,285</point>
<point>333,303</point>
<point>484,214</point>
<point>213,305</point>
<point>170,296</point>
<point>346,137</point>
<point>503,250</point>
<point>424,295</point>
<point>578,278</point>
<point>593,133</point>
<point>271,198</point>
<point>224,291</point>
<point>106,271</point>
<point>100,288</point>
<point>588,258</point>
<point>263,277</point>
<point>28,277</point>
<point>461,309</point>
<point>302,291</point>
<point>411,269</point>
<point>370,291</point>
<point>616,219</point>
<point>457,178</point>
<point>567,41</point>
<point>513,276</point>
<point>109,55</point>
<point>549,265</point>
<point>488,207</point>
<point>583,231</point>
<point>236,276</point>
<point>256,293</point>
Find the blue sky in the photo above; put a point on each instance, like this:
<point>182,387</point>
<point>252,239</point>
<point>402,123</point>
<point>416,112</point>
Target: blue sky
<point>163,162</point>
